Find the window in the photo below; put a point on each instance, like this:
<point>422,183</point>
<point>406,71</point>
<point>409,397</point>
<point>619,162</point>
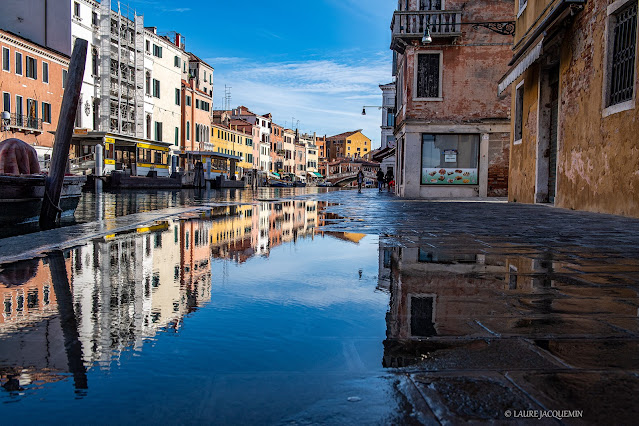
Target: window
<point>76,9</point>
<point>6,63</point>
<point>32,112</point>
<point>95,70</point>
<point>522,5</point>
<point>156,88</point>
<point>18,63</point>
<point>45,72</point>
<point>19,111</point>
<point>176,61</point>
<point>197,103</point>
<point>188,101</point>
<point>64,78</point>
<point>148,46</point>
<point>177,96</point>
<point>148,83</point>
<point>158,131</point>
<point>188,131</point>
<point>519,112</point>
<point>157,51</point>
<point>46,112</point>
<point>428,76</point>
<point>177,136</point>
<point>32,67</point>
<point>204,75</point>
<point>6,102</point>
<point>450,159</point>
<point>94,19</point>
<point>621,64</point>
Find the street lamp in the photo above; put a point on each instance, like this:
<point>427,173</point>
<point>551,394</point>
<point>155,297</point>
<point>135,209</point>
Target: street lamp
<point>6,119</point>
<point>370,106</point>
<point>427,39</point>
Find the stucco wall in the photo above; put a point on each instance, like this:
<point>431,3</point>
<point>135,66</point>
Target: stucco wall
<point>598,155</point>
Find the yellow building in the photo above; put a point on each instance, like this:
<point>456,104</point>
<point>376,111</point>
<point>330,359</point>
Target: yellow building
<point>350,144</point>
<point>233,142</point>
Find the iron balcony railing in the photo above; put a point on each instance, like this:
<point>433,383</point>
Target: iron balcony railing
<point>410,25</point>
<point>25,122</point>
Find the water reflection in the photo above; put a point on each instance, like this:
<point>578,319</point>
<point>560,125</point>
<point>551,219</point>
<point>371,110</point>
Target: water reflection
<point>442,299</point>
<point>88,306</point>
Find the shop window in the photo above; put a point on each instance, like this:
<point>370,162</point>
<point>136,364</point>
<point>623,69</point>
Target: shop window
<point>450,159</point>
<point>429,75</point>
<point>622,27</point>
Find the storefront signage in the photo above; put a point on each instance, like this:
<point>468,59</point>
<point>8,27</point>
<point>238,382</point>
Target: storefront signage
<point>450,156</point>
<point>445,176</point>
<point>109,140</point>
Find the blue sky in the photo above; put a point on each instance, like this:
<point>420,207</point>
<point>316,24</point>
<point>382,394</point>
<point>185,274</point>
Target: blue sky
<point>316,61</point>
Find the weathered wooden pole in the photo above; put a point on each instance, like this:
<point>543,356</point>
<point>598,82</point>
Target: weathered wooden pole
<point>50,213</point>
<point>68,320</point>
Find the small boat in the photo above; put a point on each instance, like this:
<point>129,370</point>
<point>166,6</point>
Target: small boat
<point>299,183</point>
<point>21,197</point>
<point>279,184</point>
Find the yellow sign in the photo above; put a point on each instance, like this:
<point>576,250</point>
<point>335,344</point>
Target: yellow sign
<point>110,162</point>
<point>109,140</point>
<point>149,146</point>
<point>157,166</point>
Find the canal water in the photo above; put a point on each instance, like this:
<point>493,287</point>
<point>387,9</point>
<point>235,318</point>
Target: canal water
<point>250,314</point>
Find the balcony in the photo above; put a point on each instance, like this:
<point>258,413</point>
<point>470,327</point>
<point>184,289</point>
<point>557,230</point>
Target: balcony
<point>410,25</point>
<point>25,123</point>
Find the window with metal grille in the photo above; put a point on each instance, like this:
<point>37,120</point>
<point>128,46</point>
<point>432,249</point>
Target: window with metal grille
<point>622,67</point>
<point>428,75</point>
<point>519,111</point>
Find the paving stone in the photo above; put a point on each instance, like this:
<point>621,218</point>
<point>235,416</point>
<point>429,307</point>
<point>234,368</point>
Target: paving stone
<point>471,397</point>
<point>467,355</point>
<point>604,397</point>
<point>595,354</point>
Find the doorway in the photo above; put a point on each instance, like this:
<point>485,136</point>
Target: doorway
<point>548,130</point>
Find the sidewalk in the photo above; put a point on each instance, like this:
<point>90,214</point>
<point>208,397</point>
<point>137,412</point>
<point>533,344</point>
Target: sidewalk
<point>506,312</point>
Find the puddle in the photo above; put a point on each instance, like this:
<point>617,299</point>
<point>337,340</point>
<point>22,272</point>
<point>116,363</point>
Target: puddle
<point>283,311</point>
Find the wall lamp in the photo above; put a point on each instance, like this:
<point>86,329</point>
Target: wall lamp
<point>370,106</point>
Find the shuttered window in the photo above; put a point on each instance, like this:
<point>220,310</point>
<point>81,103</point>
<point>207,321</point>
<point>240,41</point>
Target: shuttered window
<point>428,75</point>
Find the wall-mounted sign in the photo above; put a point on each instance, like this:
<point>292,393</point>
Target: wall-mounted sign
<point>450,156</point>
<point>447,176</point>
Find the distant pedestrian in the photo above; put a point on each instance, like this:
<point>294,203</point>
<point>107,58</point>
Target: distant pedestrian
<point>360,181</point>
<point>389,178</point>
<point>380,180</point>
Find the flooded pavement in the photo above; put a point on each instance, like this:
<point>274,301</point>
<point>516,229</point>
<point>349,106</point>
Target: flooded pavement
<point>322,308</point>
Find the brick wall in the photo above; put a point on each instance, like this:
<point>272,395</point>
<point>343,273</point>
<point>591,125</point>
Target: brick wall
<point>498,161</point>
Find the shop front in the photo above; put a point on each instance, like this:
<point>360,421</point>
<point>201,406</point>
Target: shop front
<point>134,156</point>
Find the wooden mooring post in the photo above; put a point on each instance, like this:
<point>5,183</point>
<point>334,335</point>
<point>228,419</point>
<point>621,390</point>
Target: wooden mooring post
<point>50,213</point>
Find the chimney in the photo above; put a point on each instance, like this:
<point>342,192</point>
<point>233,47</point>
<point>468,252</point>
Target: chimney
<point>178,40</point>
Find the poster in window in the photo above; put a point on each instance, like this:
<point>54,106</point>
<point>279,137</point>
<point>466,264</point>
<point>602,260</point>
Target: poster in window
<point>443,176</point>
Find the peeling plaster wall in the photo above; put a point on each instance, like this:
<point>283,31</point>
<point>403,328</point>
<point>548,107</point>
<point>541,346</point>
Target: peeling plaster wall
<point>521,184</point>
<point>598,156</point>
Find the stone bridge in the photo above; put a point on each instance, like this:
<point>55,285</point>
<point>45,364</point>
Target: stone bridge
<point>343,179</point>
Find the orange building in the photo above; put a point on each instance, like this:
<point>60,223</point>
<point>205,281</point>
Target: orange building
<point>277,148</point>
<point>32,86</point>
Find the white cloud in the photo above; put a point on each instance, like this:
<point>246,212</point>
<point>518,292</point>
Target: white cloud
<point>325,95</point>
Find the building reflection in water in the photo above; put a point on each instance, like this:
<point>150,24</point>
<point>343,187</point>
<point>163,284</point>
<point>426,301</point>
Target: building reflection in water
<point>439,296</point>
<point>124,288</point>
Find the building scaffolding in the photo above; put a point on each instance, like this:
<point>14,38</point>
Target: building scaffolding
<point>121,70</point>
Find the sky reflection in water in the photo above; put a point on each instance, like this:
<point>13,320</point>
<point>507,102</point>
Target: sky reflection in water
<point>253,314</point>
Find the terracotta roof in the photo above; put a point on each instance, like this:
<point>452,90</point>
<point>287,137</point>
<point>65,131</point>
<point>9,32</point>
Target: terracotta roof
<point>343,135</point>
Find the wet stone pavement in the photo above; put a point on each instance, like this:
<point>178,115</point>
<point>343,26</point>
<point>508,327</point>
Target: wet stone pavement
<point>324,308</point>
